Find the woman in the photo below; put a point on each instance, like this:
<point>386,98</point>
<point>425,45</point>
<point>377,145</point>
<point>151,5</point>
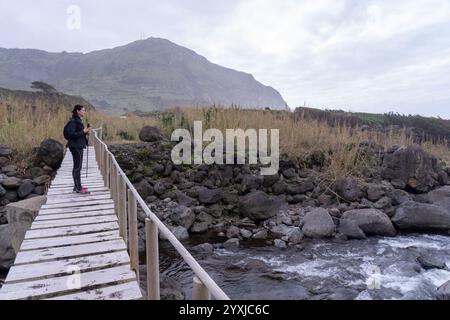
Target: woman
<point>77,141</point>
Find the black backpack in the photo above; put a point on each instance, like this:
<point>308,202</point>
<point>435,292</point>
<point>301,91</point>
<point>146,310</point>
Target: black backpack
<point>66,131</point>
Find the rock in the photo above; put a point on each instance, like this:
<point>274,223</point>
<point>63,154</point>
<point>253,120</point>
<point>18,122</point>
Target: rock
<point>11,196</point>
<point>7,254</point>
<point>261,235</point>
<point>421,216</point>
<point>25,189</point>
<point>318,224</point>
<point>11,183</point>
<point>42,180</point>
<point>199,227</point>
<point>351,229</point>
<point>371,221</point>
<point>439,195</point>
<point>204,248</point>
<point>443,292</point>
<point>5,151</point>
<point>179,232</point>
<point>279,244</point>
<point>204,217</point>
<point>9,168</point>
<point>144,189</point>
<point>231,243</point>
<point>246,234</point>
<point>429,262</point>
<point>20,217</point>
<point>39,190</point>
<point>51,152</point>
<point>399,196</point>
<point>2,191</point>
<point>184,199</point>
<point>257,205</point>
<point>411,168</point>
<point>300,187</point>
<point>150,134</point>
<point>270,180</point>
<point>209,196</point>
<point>251,182</point>
<point>296,236</point>
<point>279,187</point>
<point>289,173</point>
<point>233,232</point>
<point>375,192</point>
<point>348,189</point>
<point>283,230</point>
<point>183,216</point>
<point>3,161</point>
<point>383,203</point>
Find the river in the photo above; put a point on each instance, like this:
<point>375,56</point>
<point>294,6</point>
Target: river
<point>376,268</point>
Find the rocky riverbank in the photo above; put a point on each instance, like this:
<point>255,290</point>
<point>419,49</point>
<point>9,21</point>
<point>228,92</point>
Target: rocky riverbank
<point>17,185</point>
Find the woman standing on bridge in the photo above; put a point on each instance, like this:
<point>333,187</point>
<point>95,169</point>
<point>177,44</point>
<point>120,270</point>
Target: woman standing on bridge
<point>75,133</point>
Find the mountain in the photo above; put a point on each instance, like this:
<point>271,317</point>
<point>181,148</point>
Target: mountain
<point>144,75</point>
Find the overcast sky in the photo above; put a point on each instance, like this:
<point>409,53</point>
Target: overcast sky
<point>375,56</point>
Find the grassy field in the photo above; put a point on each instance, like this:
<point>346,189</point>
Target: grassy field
<point>335,147</point>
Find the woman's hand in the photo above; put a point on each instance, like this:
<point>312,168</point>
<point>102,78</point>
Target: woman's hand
<point>87,130</point>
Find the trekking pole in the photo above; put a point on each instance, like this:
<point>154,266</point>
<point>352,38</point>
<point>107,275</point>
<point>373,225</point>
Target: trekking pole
<point>87,155</point>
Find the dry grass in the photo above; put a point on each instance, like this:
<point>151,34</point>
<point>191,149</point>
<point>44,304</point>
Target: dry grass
<point>25,127</point>
<point>308,141</point>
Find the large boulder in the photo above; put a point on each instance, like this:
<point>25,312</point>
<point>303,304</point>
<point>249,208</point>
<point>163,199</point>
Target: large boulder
<point>411,168</point>
<point>51,152</point>
<point>318,224</point>
<point>5,151</point>
<point>209,196</point>
<point>11,182</point>
<point>351,229</point>
<point>25,189</point>
<point>150,134</point>
<point>347,188</point>
<point>144,189</point>
<point>258,205</point>
<point>183,216</point>
<point>20,217</point>
<point>443,292</point>
<point>421,216</point>
<point>7,254</point>
<point>371,221</point>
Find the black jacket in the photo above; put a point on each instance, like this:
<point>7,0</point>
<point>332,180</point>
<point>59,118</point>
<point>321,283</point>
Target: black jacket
<point>77,137</point>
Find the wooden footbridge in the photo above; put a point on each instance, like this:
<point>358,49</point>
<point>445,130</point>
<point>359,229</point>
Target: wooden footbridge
<point>86,246</point>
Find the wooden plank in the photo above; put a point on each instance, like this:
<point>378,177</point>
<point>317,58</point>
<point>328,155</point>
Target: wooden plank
<point>125,291</point>
<point>47,269</point>
<point>69,191</point>
<point>83,214</point>
<point>73,195</point>
<point>72,222</point>
<point>68,231</point>
<point>48,288</point>
<point>76,209</point>
<point>70,184</point>
<point>78,197</point>
<point>64,252</point>
<point>77,204</point>
<point>43,243</point>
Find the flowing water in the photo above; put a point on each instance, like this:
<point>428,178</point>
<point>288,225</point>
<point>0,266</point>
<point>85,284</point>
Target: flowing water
<point>377,268</point>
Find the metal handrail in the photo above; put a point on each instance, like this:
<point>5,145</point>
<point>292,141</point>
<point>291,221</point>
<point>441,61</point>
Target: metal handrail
<point>203,283</point>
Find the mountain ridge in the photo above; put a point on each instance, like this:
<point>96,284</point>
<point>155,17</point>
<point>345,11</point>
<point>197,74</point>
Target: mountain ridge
<point>143,75</point>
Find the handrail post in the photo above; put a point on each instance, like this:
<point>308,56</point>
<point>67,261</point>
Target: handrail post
<point>151,237</point>
<point>199,290</point>
<point>133,240</point>
<point>107,169</point>
<point>122,207</point>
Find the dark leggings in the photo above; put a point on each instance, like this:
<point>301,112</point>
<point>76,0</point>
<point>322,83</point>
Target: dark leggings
<point>77,155</point>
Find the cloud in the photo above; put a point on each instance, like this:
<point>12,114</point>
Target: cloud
<point>375,55</point>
